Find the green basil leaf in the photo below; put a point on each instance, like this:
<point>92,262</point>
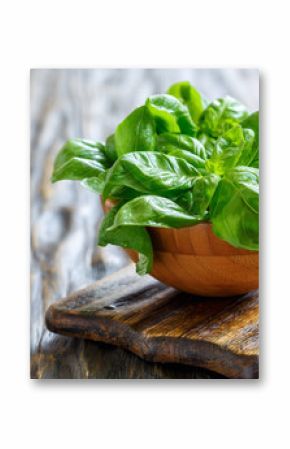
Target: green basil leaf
<point>170,115</point>
<point>136,133</point>
<point>252,122</point>
<point>222,114</point>
<point>234,209</point>
<point>189,96</point>
<point>182,142</point>
<point>203,190</point>
<point>184,147</point>
<point>79,159</point>
<point>189,157</point>
<point>122,193</point>
<point>152,210</point>
<point>150,172</point>
<point>226,151</point>
<point>120,184</point>
<point>197,200</point>
<point>95,184</point>
<point>249,151</point>
<point>133,237</point>
<point>110,149</point>
<point>208,143</point>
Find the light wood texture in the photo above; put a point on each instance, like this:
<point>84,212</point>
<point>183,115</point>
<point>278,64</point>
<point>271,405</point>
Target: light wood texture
<point>196,261</point>
<point>160,324</point>
<point>65,217</point>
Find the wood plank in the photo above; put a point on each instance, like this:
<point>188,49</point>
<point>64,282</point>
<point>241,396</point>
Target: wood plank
<point>160,324</point>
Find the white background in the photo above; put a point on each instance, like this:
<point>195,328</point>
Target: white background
<point>125,414</point>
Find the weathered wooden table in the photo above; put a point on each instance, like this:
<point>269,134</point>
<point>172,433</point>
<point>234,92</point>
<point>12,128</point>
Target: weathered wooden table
<point>65,217</point>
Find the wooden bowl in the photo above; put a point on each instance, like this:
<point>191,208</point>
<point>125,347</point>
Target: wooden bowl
<point>193,259</point>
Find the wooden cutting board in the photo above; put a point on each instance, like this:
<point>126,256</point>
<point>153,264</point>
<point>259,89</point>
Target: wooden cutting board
<point>161,324</point>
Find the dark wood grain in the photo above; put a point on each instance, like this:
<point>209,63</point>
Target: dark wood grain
<point>161,324</point>
<point>65,217</point>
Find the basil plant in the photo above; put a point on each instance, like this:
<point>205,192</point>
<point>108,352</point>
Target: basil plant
<point>176,161</point>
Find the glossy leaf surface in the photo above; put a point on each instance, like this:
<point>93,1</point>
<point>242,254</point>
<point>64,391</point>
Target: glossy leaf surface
<point>151,210</point>
<point>170,115</point>
<point>252,122</point>
<point>96,183</point>
<point>222,114</point>
<point>249,151</point>
<point>110,149</point>
<point>226,151</point>
<point>79,159</point>
<point>136,133</point>
<point>234,210</point>
<point>150,172</point>
<point>201,193</point>
<point>133,237</point>
<point>189,96</point>
<point>182,142</point>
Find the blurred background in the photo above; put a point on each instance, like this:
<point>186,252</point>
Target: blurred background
<point>89,103</point>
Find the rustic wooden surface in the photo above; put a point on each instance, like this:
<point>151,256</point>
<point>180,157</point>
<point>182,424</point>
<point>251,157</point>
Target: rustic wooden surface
<point>162,324</point>
<point>65,217</point>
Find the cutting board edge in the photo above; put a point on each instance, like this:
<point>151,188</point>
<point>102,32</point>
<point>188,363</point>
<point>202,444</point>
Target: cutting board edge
<point>224,361</point>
